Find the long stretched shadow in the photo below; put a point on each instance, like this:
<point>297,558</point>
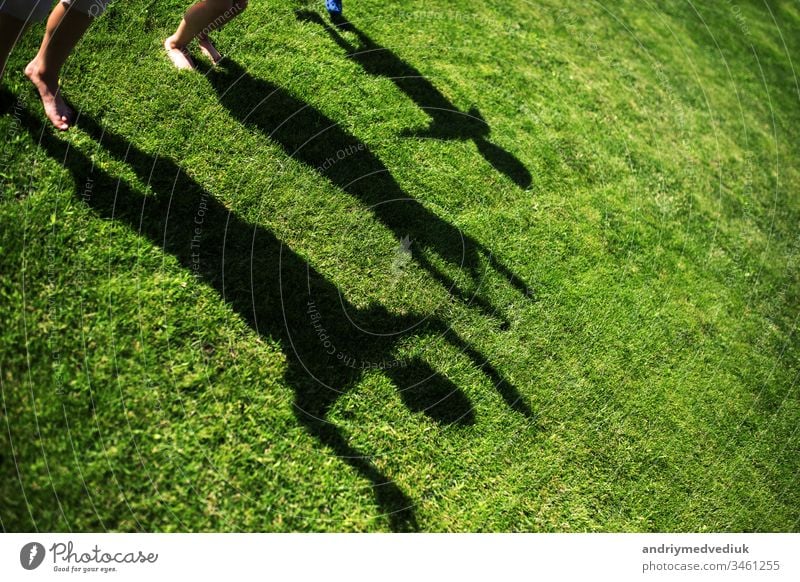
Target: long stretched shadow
<point>329,342</point>
<point>308,136</point>
<point>446,120</point>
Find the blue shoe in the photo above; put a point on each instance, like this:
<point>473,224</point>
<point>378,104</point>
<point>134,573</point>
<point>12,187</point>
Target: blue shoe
<point>333,6</point>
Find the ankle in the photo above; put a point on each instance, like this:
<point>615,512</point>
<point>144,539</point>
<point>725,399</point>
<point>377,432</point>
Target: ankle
<point>36,69</point>
<point>173,44</point>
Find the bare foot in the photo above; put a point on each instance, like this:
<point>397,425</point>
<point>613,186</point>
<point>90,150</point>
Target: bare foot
<point>208,49</point>
<point>57,111</point>
<point>179,56</point>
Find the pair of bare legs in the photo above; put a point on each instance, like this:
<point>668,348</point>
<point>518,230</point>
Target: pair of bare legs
<point>198,21</point>
<point>65,28</point>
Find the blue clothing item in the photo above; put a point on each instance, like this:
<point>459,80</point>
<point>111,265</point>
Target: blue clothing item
<point>333,6</point>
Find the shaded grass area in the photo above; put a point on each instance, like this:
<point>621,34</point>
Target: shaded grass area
<point>501,267</point>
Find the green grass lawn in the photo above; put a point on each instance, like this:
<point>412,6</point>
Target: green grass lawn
<point>463,267</point>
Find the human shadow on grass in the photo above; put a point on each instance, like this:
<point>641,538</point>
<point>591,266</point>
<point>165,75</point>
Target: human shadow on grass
<point>447,122</point>
<point>310,137</point>
<point>329,342</point>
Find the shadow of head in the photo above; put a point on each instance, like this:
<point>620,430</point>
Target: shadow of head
<point>425,390</point>
<point>456,125</point>
<point>473,126</point>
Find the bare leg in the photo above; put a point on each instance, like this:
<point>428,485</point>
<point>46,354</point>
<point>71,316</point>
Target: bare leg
<point>208,49</point>
<point>199,19</point>
<point>10,31</point>
<point>64,29</point>
<point>206,46</point>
